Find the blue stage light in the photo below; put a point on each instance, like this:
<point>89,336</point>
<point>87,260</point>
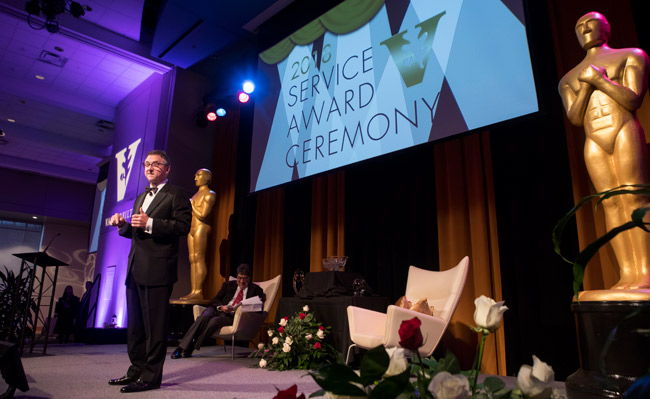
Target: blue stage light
<point>221,112</point>
<point>248,87</point>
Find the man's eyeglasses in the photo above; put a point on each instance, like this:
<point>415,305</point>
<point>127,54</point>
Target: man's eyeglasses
<point>154,164</point>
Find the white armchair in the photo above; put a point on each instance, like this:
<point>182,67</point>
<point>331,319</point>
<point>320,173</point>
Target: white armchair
<point>246,325</point>
<point>369,329</point>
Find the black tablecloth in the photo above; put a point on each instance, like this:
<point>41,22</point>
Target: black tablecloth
<point>332,312</point>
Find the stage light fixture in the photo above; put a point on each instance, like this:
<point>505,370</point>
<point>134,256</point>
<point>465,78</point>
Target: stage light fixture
<point>248,87</point>
<point>243,97</point>
<point>221,112</point>
<point>211,113</point>
<point>51,9</point>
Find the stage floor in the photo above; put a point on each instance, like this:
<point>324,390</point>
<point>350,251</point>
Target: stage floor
<point>83,371</point>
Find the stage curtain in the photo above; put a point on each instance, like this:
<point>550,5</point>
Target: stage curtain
<point>269,239</point>
<point>223,184</point>
<point>467,226</point>
<point>602,271</point>
<point>327,218</point>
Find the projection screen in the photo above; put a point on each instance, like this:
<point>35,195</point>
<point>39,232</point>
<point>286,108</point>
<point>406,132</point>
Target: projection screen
<point>370,77</point>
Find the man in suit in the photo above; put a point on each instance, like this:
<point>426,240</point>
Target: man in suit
<point>161,215</point>
<point>220,312</point>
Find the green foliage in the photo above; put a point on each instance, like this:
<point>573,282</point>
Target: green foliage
<point>580,263</point>
<point>340,379</point>
<point>298,344</point>
<point>14,299</point>
<point>369,381</point>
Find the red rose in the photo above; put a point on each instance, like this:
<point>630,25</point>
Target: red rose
<point>302,316</point>
<point>281,329</point>
<point>410,334</point>
<point>317,345</point>
<point>287,318</point>
<point>289,393</point>
<point>321,328</point>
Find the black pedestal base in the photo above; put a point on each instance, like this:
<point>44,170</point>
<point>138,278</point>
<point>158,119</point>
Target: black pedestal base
<point>627,358</point>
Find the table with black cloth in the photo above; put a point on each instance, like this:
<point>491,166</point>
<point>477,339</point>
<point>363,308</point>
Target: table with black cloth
<point>328,294</point>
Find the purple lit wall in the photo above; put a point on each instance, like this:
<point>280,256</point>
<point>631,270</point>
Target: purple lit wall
<point>140,126</point>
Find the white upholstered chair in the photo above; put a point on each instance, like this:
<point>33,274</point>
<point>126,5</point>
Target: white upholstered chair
<point>369,329</point>
<point>246,325</point>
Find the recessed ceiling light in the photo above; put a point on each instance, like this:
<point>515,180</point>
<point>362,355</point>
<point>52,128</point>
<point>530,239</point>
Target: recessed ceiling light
<point>34,217</point>
<point>11,120</point>
<point>40,77</point>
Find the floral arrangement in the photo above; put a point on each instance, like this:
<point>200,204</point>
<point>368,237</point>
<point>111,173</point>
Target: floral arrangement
<point>297,342</point>
<point>385,373</point>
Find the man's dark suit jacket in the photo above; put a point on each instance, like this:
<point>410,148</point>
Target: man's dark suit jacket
<point>153,257</point>
<point>228,289</point>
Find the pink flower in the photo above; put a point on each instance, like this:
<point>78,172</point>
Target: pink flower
<point>301,316</point>
<point>281,329</point>
<point>317,345</point>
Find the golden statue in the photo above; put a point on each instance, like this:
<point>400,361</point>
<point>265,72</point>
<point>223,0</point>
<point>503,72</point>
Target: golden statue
<point>602,94</point>
<point>197,239</point>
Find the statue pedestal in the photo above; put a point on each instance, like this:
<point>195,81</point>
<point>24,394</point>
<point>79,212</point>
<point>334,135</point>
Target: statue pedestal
<point>181,316</point>
<point>626,359</point>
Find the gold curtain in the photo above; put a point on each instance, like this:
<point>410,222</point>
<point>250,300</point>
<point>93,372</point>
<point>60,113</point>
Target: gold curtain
<point>602,271</point>
<point>223,184</point>
<point>327,218</point>
<point>269,239</point>
<point>467,226</point>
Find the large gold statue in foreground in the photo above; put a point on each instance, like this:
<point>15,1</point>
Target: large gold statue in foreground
<point>197,239</point>
<point>602,94</point>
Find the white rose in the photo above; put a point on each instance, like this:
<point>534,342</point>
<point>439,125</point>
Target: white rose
<point>305,308</point>
<point>283,322</point>
<point>449,386</point>
<point>262,363</point>
<point>320,334</point>
<point>308,337</point>
<point>270,333</point>
<point>488,313</point>
<point>286,348</point>
<point>260,346</point>
<point>398,362</point>
<point>288,341</point>
<point>536,381</point>
<point>275,340</point>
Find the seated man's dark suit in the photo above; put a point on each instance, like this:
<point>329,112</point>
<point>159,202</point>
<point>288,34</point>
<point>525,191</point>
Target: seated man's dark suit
<point>211,319</point>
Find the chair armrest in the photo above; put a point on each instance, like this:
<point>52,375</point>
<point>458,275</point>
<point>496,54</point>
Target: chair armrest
<point>197,309</point>
<point>366,322</point>
<point>432,328</point>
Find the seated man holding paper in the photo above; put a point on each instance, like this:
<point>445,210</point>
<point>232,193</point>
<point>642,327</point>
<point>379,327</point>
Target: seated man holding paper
<point>221,310</point>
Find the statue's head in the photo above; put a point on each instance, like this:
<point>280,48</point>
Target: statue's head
<point>203,177</point>
<point>592,30</point>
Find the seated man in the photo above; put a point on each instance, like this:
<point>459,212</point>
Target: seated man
<point>220,312</point>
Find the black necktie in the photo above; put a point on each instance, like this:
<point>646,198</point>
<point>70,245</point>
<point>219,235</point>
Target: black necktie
<point>151,190</point>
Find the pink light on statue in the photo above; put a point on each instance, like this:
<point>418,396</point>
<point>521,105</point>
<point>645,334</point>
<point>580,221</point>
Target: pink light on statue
<point>243,97</point>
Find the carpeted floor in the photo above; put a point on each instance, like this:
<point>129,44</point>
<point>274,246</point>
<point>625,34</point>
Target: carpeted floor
<point>82,371</point>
